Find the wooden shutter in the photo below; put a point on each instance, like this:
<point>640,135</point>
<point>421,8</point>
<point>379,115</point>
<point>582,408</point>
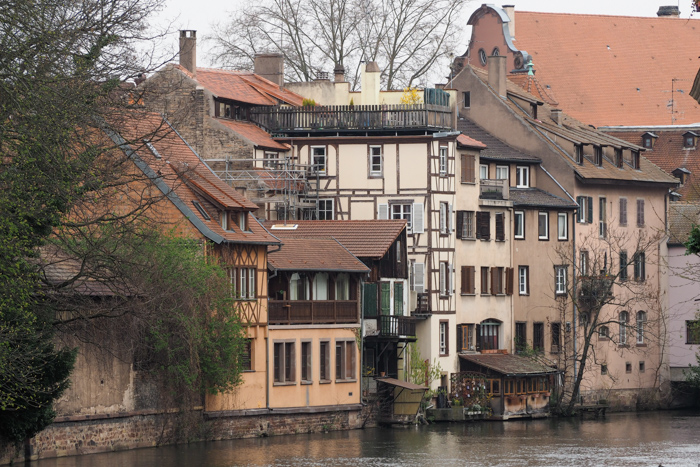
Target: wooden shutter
<point>500,229</point>
<point>450,222</point>
<point>465,280</point>
<point>640,212</point>
<point>483,227</point>
<point>450,279</point>
<point>383,211</point>
<point>385,298</point>
<point>463,160</point>
<point>589,207</point>
<point>398,298</point>
<point>623,211</point>
<point>419,277</point>
<point>460,225</point>
<point>418,224</point>
<point>472,282</point>
<point>493,281</point>
<point>509,281</point>
<point>467,168</point>
<point>460,338</point>
<point>369,299</point>
<point>579,215</point>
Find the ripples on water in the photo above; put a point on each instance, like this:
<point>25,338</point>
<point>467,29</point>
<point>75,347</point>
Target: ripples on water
<point>645,439</point>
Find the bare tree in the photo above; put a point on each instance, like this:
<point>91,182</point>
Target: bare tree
<point>616,310</point>
<point>406,37</point>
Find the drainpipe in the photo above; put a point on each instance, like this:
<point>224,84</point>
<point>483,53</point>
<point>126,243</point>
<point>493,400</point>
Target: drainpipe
<point>267,368</point>
<point>573,321</point>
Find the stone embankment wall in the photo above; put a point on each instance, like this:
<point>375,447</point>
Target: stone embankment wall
<point>78,435</point>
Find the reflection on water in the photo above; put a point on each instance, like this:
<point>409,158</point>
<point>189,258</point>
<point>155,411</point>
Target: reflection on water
<point>660,438</point>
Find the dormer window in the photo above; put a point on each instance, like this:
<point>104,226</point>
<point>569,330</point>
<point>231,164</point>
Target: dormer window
<point>648,140</point>
<point>243,220</point>
<point>229,110</point>
<point>578,154</point>
<point>635,159</point>
<point>618,158</point>
<point>598,155</point>
<point>226,223</point>
<point>690,139</point>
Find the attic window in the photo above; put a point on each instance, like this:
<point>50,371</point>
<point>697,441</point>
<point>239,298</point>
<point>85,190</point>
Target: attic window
<point>226,222</point>
<point>648,140</point>
<point>635,159</point>
<point>201,210</point>
<point>618,158</point>
<point>152,149</point>
<point>243,220</point>
<point>689,140</point>
<point>598,155</point>
<point>229,110</point>
<point>578,154</point>
<point>496,52</point>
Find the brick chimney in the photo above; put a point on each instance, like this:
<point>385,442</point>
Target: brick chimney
<point>510,11</point>
<point>556,116</point>
<point>339,73</point>
<point>497,74</point>
<point>670,11</point>
<point>271,67</point>
<point>188,50</point>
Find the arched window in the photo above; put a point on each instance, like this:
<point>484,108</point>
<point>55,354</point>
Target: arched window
<point>487,334</point>
<point>641,318</point>
<point>624,318</point>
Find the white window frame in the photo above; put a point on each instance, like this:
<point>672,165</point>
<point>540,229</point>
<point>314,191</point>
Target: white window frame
<point>522,176</point>
<point>418,277</point>
<point>376,166</point>
<point>443,330</point>
<point>523,280</point>
<point>483,171</point>
<point>322,170</point>
<point>271,160</point>
<point>443,279</point>
<point>623,319</point>
<point>544,214</point>
<point>326,210</point>
<point>562,226</point>
<point>521,215</point>
<point>502,172</point>
<point>560,280</point>
<point>602,217</point>
<point>641,318</point>
<point>442,155</point>
<point>402,211</point>
<point>346,346</point>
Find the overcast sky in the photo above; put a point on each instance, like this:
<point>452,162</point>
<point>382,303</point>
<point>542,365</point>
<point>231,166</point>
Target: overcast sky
<point>200,14</point>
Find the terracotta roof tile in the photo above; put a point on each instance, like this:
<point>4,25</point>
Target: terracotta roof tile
<point>245,87</point>
<point>363,238</point>
<point>469,142</point>
<point>669,154</point>
<point>314,254</point>
<point>253,133</point>
<point>180,171</point>
<point>614,70</point>
<point>532,85</point>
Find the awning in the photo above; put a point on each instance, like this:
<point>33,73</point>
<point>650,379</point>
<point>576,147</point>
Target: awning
<point>402,384</point>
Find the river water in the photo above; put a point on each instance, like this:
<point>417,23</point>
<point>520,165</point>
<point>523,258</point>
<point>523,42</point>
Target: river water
<point>629,439</point>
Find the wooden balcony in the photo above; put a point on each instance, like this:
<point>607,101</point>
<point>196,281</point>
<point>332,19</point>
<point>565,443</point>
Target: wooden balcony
<point>359,117</point>
<point>395,326</point>
<point>313,312</point>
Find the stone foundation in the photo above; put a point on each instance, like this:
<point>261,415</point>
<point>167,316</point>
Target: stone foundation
<point>627,400</point>
<point>71,436</point>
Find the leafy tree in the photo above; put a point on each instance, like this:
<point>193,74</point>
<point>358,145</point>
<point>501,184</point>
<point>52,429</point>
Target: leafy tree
<point>692,246</point>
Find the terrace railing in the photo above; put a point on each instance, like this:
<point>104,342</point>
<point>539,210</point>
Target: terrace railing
<point>394,326</point>
<point>313,312</point>
<point>277,119</point>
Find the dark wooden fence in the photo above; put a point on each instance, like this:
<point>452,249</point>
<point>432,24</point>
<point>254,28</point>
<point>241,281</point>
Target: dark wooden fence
<point>357,117</point>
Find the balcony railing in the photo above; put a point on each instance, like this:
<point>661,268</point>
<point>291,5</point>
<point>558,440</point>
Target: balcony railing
<point>394,326</point>
<point>313,312</point>
<point>493,189</point>
<point>359,117</point>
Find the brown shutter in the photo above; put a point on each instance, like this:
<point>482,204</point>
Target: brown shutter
<point>500,229</point>
<point>465,280</point>
<point>460,224</point>
<point>464,159</point>
<point>640,212</point>
<point>472,282</point>
<point>493,281</point>
<point>470,168</point>
<point>509,281</point>
<point>623,211</point>
<point>460,340</point>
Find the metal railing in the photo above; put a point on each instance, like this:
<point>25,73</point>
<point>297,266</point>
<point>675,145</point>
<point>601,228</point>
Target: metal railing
<point>394,326</point>
<point>493,189</point>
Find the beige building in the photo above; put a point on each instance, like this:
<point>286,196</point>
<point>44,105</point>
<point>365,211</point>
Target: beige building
<point>618,228</point>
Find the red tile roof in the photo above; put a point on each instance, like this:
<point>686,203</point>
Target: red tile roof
<point>179,172</point>
<point>314,254</point>
<point>253,133</point>
<point>614,70</point>
<point>669,154</point>
<point>468,142</point>
<point>243,86</point>
<point>531,84</point>
<point>363,238</point>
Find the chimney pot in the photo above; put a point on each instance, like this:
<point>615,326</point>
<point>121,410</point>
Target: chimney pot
<point>556,116</point>
<point>339,73</point>
<point>188,50</point>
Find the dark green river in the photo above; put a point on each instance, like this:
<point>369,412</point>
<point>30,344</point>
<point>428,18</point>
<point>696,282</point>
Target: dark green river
<point>644,439</point>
